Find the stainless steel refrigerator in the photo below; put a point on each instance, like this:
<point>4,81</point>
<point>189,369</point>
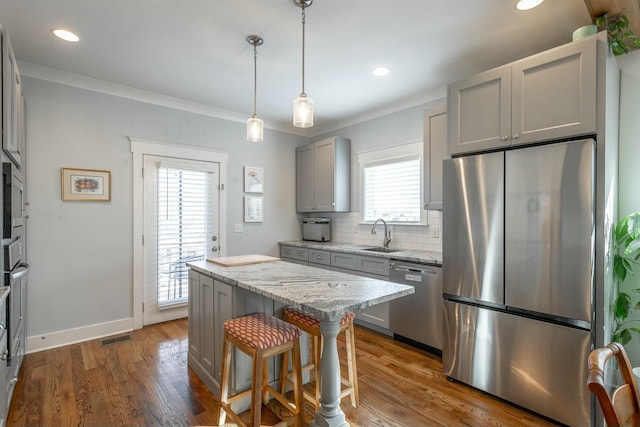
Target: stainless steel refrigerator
<point>518,275</point>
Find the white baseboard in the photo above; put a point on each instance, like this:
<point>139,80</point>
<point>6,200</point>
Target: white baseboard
<point>76,335</point>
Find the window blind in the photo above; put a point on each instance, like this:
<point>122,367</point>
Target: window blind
<point>183,222</point>
<point>392,190</point>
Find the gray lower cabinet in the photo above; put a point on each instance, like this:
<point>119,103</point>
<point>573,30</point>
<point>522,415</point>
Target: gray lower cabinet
<point>3,374</point>
<point>550,95</point>
<point>320,258</point>
<point>210,304</point>
<point>361,265</point>
<point>374,267</point>
<point>17,325</point>
<point>294,254</point>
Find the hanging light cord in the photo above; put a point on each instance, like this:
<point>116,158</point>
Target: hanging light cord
<point>255,79</point>
<point>303,22</point>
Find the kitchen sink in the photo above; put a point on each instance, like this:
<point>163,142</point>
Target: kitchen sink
<point>381,250</point>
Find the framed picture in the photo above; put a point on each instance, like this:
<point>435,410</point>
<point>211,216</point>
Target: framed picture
<point>253,211</point>
<point>253,179</point>
<point>86,185</point>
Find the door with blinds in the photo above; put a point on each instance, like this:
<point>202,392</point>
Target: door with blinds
<point>181,222</point>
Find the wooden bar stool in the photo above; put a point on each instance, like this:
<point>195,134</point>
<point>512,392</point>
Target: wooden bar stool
<point>261,336</point>
<point>311,325</point>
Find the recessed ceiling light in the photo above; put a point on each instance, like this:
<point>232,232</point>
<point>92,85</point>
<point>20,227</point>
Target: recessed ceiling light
<point>528,4</point>
<point>380,71</point>
<point>65,35</point>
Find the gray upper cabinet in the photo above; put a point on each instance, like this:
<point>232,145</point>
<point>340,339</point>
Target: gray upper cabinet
<point>435,149</point>
<point>546,96</point>
<point>13,104</point>
<point>323,172</point>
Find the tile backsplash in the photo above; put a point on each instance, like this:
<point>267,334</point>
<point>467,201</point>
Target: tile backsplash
<point>346,228</point>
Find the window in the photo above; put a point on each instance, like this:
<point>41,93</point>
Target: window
<point>392,184</point>
<point>183,227</point>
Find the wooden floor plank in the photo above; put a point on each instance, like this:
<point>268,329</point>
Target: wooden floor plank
<point>145,381</point>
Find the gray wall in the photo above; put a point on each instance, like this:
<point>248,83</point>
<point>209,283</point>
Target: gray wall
<point>81,253</point>
<point>629,158</point>
<point>393,129</point>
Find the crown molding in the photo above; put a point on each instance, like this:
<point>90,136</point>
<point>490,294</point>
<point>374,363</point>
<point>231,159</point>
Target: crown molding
<point>88,83</point>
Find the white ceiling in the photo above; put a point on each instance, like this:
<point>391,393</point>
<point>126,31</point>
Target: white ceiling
<point>196,51</point>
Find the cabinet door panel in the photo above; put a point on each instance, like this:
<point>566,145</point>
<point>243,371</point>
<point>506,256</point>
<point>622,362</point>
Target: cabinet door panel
<point>343,260</point>
<point>377,315</point>
<point>480,111</point>
<point>377,266</point>
<point>325,175</point>
<point>554,94</point>
<point>194,315</point>
<point>305,170</point>
<point>435,151</point>
<point>207,307</point>
<point>223,298</point>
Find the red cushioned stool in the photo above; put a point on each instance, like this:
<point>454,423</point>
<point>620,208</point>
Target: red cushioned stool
<point>261,336</point>
<point>311,325</point>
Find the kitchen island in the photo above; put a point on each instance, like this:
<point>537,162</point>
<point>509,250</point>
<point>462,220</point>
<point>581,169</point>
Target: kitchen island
<point>326,295</point>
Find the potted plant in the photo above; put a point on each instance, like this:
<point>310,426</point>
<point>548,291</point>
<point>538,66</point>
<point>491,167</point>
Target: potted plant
<point>621,38</point>
<point>626,240</point>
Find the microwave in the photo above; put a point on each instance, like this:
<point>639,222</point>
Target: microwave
<point>13,218</point>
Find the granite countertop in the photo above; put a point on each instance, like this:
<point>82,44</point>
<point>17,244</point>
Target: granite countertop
<point>321,293</point>
<point>411,255</point>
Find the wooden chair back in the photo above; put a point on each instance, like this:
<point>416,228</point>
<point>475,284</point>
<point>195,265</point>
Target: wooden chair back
<point>621,407</point>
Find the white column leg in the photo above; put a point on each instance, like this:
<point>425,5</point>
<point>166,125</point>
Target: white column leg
<point>330,414</point>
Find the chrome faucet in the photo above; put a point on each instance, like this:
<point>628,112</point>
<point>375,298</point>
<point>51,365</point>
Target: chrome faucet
<point>387,234</point>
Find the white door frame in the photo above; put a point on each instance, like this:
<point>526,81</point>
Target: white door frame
<point>140,147</point>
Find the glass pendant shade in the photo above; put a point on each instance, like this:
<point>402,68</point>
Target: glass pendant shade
<point>255,129</point>
<point>303,112</point>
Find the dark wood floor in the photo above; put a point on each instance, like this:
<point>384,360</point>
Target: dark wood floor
<point>145,381</point>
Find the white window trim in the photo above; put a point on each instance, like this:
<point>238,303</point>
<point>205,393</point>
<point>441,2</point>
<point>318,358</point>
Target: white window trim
<point>140,147</point>
<point>401,151</point>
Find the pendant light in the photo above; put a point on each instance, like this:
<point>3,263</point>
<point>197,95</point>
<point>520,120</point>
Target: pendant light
<point>303,105</point>
<point>255,126</point>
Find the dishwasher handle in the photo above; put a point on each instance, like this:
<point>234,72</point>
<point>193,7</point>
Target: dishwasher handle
<point>407,269</point>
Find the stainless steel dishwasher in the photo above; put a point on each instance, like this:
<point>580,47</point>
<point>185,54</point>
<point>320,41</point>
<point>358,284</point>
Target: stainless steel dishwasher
<point>417,318</point>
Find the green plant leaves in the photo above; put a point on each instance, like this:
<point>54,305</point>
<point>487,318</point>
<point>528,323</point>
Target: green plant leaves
<point>621,38</point>
<point>626,235</point>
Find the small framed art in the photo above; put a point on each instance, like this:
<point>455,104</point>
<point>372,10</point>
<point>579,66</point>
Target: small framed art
<point>253,211</point>
<point>253,179</point>
<point>86,185</point>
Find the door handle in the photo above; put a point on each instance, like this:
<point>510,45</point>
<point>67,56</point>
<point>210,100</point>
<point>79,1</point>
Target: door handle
<point>214,238</point>
<point>214,249</point>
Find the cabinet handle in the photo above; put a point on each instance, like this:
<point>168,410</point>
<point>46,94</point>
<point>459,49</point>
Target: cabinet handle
<point>13,380</point>
<point>504,138</point>
<point>4,355</point>
<point>301,254</point>
<point>319,257</point>
<point>516,135</point>
<point>1,326</point>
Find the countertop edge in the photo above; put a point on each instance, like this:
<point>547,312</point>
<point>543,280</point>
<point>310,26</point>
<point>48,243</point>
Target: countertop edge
<point>242,277</point>
<point>410,255</point>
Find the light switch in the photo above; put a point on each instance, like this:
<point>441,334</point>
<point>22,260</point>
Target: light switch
<point>238,228</point>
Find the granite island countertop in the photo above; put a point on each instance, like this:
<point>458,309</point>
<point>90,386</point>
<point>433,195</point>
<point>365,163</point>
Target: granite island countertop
<point>411,255</point>
<point>321,293</point>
